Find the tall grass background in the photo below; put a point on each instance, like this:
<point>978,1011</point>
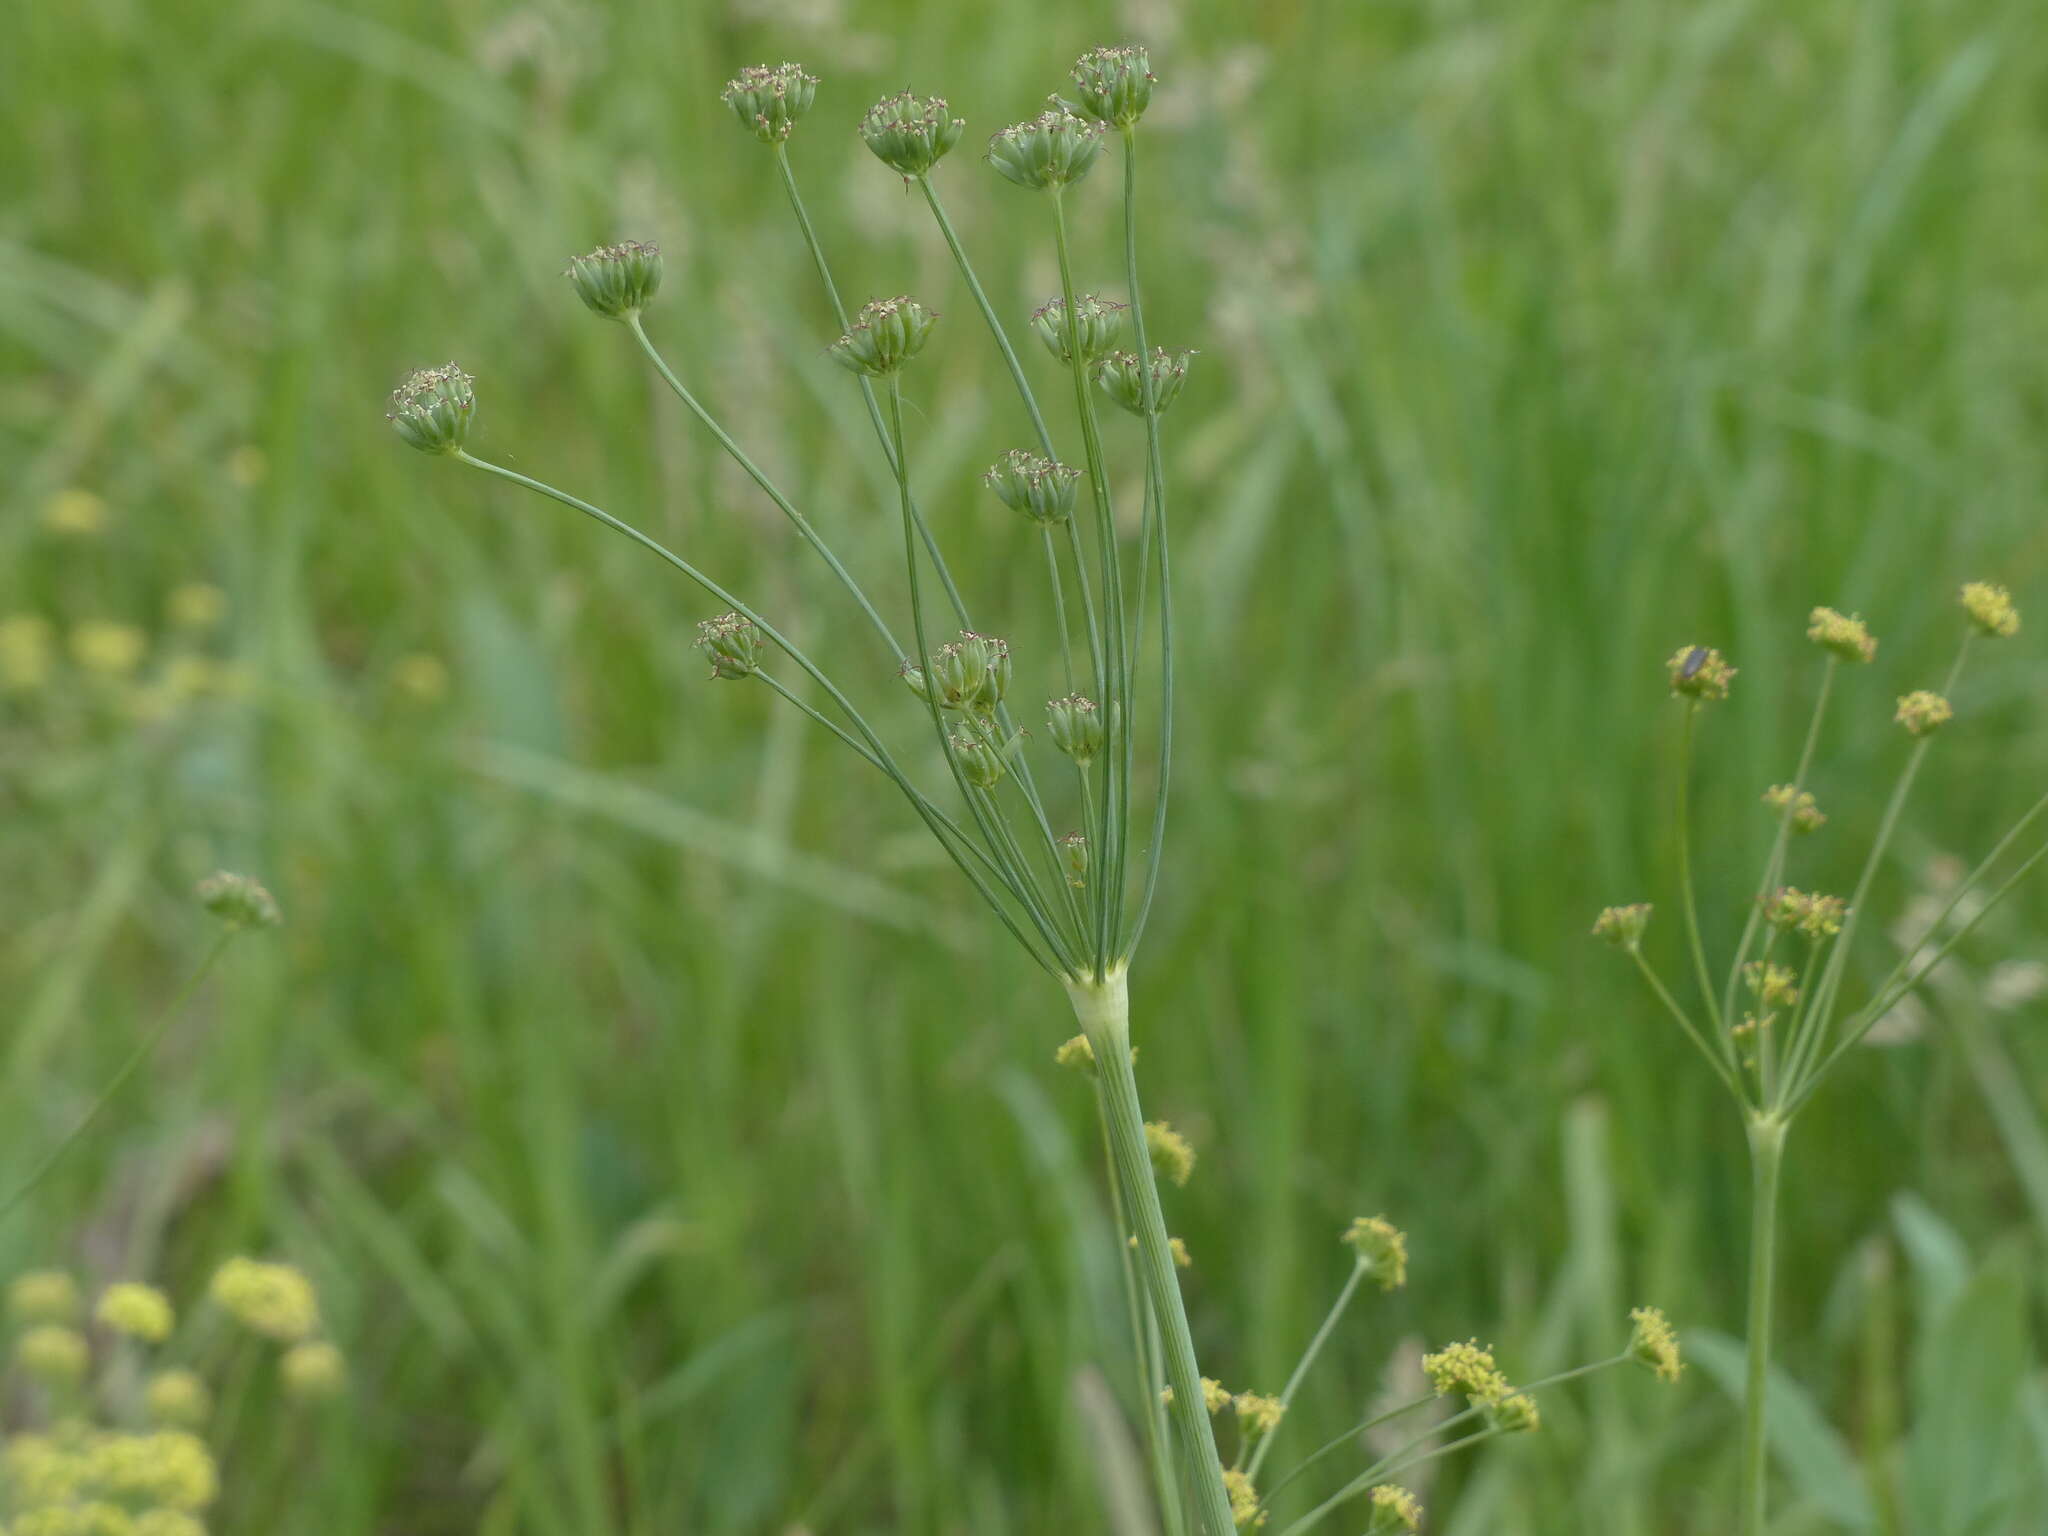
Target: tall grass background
<point>672,1149</point>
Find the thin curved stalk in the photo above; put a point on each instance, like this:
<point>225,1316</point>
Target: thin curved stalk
<point>1766,1153</point>
<point>1308,1358</point>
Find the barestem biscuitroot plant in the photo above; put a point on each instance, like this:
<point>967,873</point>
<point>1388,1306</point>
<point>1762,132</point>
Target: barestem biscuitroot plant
<point>1792,956</point>
<point>1077,901</point>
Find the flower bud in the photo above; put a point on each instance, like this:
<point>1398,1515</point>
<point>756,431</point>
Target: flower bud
<point>1075,725</point>
<point>886,334</point>
<point>1098,323</point>
<point>137,1311</point>
<point>178,1398</point>
<point>1654,1343</point>
<point>1807,816</point>
<point>1114,85</point>
<point>54,1355</point>
<point>1042,489</point>
<point>1123,379</point>
<point>1395,1512</point>
<point>313,1371</point>
<point>238,901</point>
<point>43,1296</point>
<point>1847,637</point>
<point>432,408</point>
<point>732,643</point>
<point>1700,672</point>
<point>1053,149</point>
<point>768,99</point>
<point>1382,1250</point>
<point>910,134</point>
<point>1074,854</point>
<point>1173,1155</point>
<point>1789,909</point>
<point>981,763</point>
<point>1623,926</point>
<point>617,281</point>
<point>1923,713</point>
<point>1990,609</point>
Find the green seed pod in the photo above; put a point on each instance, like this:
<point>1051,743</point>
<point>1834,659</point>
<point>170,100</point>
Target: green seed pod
<point>1114,84</point>
<point>1053,149</point>
<point>238,901</point>
<point>769,98</point>
<point>886,334</point>
<point>432,408</point>
<point>981,764</point>
<point>1042,489</point>
<point>910,134</point>
<point>1074,854</point>
<point>1098,322</point>
<point>732,643</point>
<point>617,281</point>
<point>971,674</point>
<point>1123,380</point>
<point>1075,725</point>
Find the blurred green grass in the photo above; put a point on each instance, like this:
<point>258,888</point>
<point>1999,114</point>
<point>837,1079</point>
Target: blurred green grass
<point>672,1152</point>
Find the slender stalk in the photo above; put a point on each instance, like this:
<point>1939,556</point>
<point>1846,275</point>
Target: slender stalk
<point>144,1049</point>
<point>768,487</point>
<point>1766,1159</point>
<point>788,647</point>
<point>1139,1308</point>
<point>1708,995</point>
<point>1103,1008</point>
<point>1308,1358</point>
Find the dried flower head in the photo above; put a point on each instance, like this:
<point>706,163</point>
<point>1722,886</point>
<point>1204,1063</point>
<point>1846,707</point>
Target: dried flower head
<point>177,1399</point>
<point>1114,85</point>
<point>1395,1511</point>
<point>1466,1368</point>
<point>1847,637</point>
<point>1097,323</point>
<point>1124,380</point>
<point>1807,816</point>
<point>1053,149</point>
<point>732,644</point>
<point>617,281</point>
<point>1244,1500</point>
<point>1623,926</point>
<point>1700,672</point>
<point>1042,489</point>
<point>1173,1155</point>
<point>138,1311</point>
<point>1775,986</point>
<point>275,1300</point>
<point>1789,909</point>
<point>313,1371</point>
<point>769,98</point>
<point>1990,609</point>
<point>1258,1414</point>
<point>432,409</point>
<point>886,334</point>
<point>238,901</point>
<point>910,134</point>
<point>1382,1250</point>
<point>1075,725</point>
<point>1923,713</point>
<point>43,1296</point>
<point>1654,1343</point>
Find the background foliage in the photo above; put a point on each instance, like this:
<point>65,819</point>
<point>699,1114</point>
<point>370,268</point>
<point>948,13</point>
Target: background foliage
<point>673,1148</point>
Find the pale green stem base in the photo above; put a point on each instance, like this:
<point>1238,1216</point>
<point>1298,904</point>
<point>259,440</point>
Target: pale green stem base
<point>1104,1010</point>
<point>1766,1159</point>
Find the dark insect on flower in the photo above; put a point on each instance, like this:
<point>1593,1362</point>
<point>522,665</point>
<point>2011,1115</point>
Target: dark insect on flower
<point>1695,659</point>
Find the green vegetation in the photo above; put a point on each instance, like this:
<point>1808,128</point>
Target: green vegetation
<point>671,1144</point>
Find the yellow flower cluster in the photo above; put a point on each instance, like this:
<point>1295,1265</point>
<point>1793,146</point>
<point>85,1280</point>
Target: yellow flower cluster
<point>1990,609</point>
<point>1469,1369</point>
<point>80,1479</point>
<point>275,1300</point>
<point>1244,1501</point>
<point>1807,816</point>
<point>138,1311</point>
<point>1845,636</point>
<point>1173,1155</point>
<point>1395,1511</point>
<point>1382,1250</point>
<point>1654,1343</point>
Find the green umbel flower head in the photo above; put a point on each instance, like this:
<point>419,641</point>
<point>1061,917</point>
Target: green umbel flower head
<point>617,281</point>
<point>1053,149</point>
<point>1114,85</point>
<point>886,334</point>
<point>1122,378</point>
<point>1042,489</point>
<point>910,134</point>
<point>432,408</point>
<point>732,642</point>
<point>769,98</point>
<point>1098,322</point>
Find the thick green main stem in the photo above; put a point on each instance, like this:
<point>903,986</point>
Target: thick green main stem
<point>1766,1159</point>
<point>1103,1008</point>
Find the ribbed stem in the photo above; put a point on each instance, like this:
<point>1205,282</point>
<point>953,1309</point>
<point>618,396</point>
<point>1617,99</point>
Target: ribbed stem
<point>1766,1159</point>
<point>1103,1007</point>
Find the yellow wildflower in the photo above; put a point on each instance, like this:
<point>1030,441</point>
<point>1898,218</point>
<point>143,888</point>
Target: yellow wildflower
<point>139,1311</point>
<point>76,510</point>
<point>275,1300</point>
<point>1173,1155</point>
<point>108,648</point>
